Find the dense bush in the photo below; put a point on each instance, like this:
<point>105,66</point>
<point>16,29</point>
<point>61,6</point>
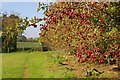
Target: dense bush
<point>89,30</point>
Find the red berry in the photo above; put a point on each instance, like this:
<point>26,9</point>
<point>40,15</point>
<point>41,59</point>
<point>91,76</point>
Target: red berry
<point>101,60</point>
<point>93,57</point>
<point>71,21</point>
<point>101,20</point>
<point>78,15</point>
<point>83,37</point>
<point>71,15</point>
<point>84,48</point>
<point>89,53</point>
<point>41,34</point>
<point>83,60</point>
<point>81,21</point>
<point>101,8</point>
<point>78,55</point>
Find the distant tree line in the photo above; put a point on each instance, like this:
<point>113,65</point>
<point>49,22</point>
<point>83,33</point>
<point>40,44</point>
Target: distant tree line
<point>22,38</point>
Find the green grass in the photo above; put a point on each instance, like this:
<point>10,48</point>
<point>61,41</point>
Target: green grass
<point>27,45</point>
<point>33,65</point>
<point>0,66</point>
<point>12,65</point>
<point>46,65</point>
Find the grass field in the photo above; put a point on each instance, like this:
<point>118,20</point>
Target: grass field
<point>47,65</point>
<point>27,44</point>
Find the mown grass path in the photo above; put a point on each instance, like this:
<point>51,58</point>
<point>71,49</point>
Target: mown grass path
<point>33,65</point>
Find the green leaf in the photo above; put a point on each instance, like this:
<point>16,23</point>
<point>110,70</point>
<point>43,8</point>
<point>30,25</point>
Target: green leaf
<point>38,9</point>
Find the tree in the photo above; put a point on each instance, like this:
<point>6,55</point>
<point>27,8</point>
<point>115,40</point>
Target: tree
<point>90,29</point>
<point>0,34</point>
<point>22,38</point>
<point>12,26</point>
